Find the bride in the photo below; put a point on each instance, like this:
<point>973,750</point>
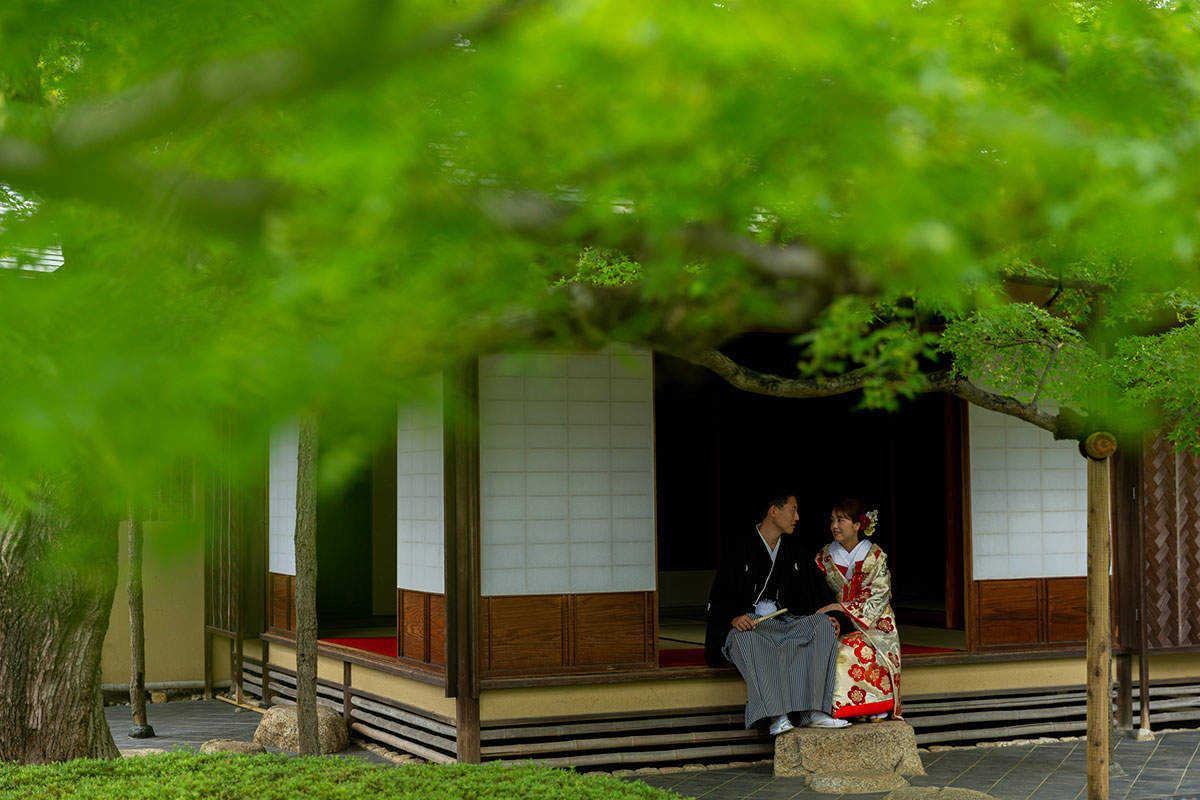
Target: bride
<point>868,663</point>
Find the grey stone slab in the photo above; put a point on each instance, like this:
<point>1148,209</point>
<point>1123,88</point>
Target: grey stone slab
<point>722,793</point>
<point>1153,791</point>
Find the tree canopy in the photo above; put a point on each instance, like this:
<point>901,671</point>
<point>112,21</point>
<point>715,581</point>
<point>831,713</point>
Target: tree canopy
<point>265,207</point>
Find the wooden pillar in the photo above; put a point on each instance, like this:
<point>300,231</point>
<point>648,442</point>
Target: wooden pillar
<point>1099,446</point>
<point>1143,649</point>
<point>239,692</point>
<point>1127,563</point>
<point>1125,692</point>
<point>266,672</point>
<point>208,665</point>
<point>347,692</point>
<point>461,480</point>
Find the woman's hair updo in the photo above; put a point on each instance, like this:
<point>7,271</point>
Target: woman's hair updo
<point>853,508</point>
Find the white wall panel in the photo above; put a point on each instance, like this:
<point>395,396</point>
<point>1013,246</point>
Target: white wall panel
<point>420,513</point>
<point>1028,500</point>
<point>281,500</point>
<point>567,472</point>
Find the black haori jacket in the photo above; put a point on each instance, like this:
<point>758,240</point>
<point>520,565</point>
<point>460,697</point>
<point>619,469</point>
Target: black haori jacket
<point>796,584</point>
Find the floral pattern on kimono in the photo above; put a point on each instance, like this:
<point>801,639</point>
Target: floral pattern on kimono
<point>868,664</point>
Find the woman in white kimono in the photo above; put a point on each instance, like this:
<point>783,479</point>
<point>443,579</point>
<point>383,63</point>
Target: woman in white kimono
<point>868,664</point>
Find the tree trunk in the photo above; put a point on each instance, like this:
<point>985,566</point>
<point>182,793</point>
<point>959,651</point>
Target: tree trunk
<point>58,573</point>
<point>306,587</point>
<point>1099,446</point>
<point>137,633</point>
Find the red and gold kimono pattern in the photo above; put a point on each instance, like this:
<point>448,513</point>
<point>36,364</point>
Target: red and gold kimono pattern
<point>868,663</point>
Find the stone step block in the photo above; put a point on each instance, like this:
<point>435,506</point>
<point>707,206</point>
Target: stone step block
<point>879,747</point>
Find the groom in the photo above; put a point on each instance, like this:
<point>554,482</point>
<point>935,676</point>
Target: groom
<point>788,661</point>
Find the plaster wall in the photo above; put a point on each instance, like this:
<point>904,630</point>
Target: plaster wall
<point>173,603</point>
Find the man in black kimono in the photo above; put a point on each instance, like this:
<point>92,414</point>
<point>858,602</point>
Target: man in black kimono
<point>788,661</point>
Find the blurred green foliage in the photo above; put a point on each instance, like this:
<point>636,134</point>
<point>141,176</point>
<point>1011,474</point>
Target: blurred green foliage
<point>267,207</point>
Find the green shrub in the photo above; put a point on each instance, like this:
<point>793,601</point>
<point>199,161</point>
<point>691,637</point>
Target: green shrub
<point>181,775</point>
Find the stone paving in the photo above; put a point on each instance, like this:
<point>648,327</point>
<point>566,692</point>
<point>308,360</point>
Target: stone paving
<point>190,724</point>
<point>1167,767</point>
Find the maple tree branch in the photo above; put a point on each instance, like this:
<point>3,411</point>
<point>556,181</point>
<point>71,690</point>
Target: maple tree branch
<point>1055,283</point>
<point>750,380</point>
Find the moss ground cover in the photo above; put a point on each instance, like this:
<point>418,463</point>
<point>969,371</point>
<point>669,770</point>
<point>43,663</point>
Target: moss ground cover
<point>180,775</point>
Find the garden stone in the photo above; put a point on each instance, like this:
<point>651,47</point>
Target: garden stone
<point>232,746</point>
<point>278,728</point>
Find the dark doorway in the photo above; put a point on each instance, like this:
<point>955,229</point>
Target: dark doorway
<point>718,449</point>
<point>356,552</point>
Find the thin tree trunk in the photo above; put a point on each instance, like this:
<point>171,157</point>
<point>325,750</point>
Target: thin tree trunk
<point>1099,447</point>
<point>306,587</point>
<point>137,633</point>
<point>58,573</point>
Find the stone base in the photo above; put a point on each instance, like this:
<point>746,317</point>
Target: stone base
<point>880,747</point>
<point>856,782</point>
<point>935,793</point>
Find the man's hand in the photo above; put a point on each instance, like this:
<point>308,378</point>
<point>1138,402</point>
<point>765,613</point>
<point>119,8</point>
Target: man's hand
<point>837,629</point>
<point>743,623</point>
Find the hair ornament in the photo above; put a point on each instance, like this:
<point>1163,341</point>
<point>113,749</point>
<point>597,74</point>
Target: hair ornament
<point>868,521</point>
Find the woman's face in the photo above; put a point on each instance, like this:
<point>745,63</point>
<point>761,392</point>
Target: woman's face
<point>844,529</point>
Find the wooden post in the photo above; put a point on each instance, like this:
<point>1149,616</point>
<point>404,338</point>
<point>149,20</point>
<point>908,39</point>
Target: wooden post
<point>266,673</point>
<point>1143,650</point>
<point>141,729</point>
<point>461,477</point>
<point>1125,692</point>
<point>1098,446</point>
<point>208,665</point>
<point>238,654</point>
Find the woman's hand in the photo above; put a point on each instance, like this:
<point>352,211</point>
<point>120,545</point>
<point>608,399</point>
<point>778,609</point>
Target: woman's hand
<point>743,623</point>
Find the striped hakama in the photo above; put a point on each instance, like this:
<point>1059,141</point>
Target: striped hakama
<point>789,664</point>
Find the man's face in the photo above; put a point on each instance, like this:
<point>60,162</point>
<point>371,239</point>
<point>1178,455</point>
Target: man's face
<point>786,516</point>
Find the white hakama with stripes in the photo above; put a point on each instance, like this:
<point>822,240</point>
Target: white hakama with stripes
<point>789,664</point>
